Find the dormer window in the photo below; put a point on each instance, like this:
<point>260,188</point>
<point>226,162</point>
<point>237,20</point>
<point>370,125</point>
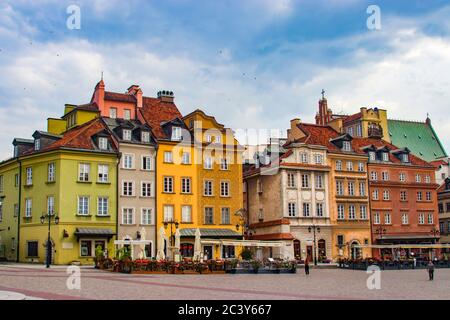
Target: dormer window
<point>346,146</point>
<point>372,156</point>
<point>126,134</point>
<point>405,158</point>
<point>176,133</point>
<point>103,143</point>
<point>145,136</point>
<point>37,144</point>
<point>385,156</point>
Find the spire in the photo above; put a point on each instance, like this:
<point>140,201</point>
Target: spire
<point>323,94</point>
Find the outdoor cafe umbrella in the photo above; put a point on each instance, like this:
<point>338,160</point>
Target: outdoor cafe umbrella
<point>162,235</point>
<point>142,245</point>
<point>177,240</point>
<point>197,245</point>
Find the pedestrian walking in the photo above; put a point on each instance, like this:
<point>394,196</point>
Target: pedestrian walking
<point>306,266</point>
<point>430,268</point>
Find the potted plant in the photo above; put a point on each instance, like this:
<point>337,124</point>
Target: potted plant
<point>256,264</point>
<point>125,261</point>
<point>98,257</point>
<point>246,254</point>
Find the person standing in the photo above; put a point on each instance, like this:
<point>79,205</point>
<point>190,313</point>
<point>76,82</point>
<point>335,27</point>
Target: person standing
<point>306,266</point>
<point>430,268</point>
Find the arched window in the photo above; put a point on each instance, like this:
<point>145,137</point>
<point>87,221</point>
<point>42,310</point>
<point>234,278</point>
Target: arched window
<point>322,249</point>
<point>297,249</point>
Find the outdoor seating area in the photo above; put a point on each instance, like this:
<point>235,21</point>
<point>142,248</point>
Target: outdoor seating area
<point>388,264</point>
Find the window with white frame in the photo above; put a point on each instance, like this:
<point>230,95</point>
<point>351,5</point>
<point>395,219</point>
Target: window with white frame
<point>208,188</point>
<point>226,218</point>
<point>376,218</point>
<point>363,212</point>
<point>319,181</point>
<point>427,179</point>
<point>351,212</point>
<point>385,156</point>
<point>186,185</point>
<point>103,143</point>
<point>305,180</point>
<point>319,210</point>
<point>218,139</point>
<point>318,158</point>
<point>359,130</point>
<point>306,209</point>
<point>347,146</point>
<point>168,184</point>
<point>385,176</point>
<point>29,176</point>
<point>145,136</point>
<point>28,207</point>
<point>146,189</point>
<point>361,167</point>
<point>405,218</point>
<point>304,157</point>
<point>350,131</point>
<point>340,188</point>
<point>430,218</point>
<point>128,161</point>
<point>375,194</point>
<point>146,216</point>
<point>351,188</point>
<point>403,195</point>
<point>50,205</point>
<point>128,188</point>
<point>341,212</point>
<point>224,188</point>
<point>402,177</point>
<point>168,158</point>
<point>209,215</point>
<point>186,214</point>
<point>349,166</point>
<point>146,163</point>
<point>339,165</point>
<point>291,180</point>
<point>292,209</point>
<point>127,216</point>
<point>113,113</point>
<point>405,158</point>
<point>83,205</point>
<point>224,164</point>
<point>418,178</point>
<point>208,138</point>
<point>127,114</point>
<point>428,196</point>
<point>84,170</point>
<point>419,196</point>
<point>421,218</point>
<point>372,156</point>
<point>176,133</point>
<point>208,163</point>
<point>186,158</point>
<point>362,189</point>
<point>387,218</point>
<point>37,144</point>
<point>374,176</point>
<point>386,195</point>
<point>103,173</point>
<point>102,206</point>
<point>168,213</point>
<point>126,134</point>
<point>51,172</point>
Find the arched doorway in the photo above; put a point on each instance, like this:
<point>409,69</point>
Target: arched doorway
<point>322,250</point>
<point>355,252</point>
<point>297,249</point>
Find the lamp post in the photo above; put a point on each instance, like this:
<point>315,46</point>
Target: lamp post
<point>380,231</point>
<point>241,214</point>
<point>314,228</point>
<point>171,223</point>
<point>49,216</point>
<point>435,232</point>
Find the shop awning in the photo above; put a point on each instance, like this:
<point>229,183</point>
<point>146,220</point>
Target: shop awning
<point>403,246</point>
<point>210,233</point>
<point>245,243</point>
<point>132,242</point>
<point>94,233</point>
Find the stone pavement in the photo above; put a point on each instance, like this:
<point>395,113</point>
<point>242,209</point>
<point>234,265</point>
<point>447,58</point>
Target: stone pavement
<point>38,282</point>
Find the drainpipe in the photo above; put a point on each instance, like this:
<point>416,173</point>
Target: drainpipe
<point>119,156</point>
<point>19,209</point>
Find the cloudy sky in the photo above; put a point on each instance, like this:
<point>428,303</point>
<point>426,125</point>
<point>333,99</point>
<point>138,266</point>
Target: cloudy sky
<point>252,64</point>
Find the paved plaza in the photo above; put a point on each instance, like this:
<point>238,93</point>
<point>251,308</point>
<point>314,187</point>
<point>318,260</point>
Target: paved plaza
<point>36,282</point>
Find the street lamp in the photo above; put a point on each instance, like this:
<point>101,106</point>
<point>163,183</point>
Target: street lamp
<point>314,228</point>
<point>171,223</point>
<point>49,216</point>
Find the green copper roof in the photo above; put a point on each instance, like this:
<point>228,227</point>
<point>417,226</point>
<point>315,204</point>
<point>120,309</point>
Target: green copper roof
<point>419,137</point>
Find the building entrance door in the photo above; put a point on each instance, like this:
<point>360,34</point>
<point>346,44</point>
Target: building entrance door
<point>309,253</point>
<point>208,252</point>
<point>297,249</point>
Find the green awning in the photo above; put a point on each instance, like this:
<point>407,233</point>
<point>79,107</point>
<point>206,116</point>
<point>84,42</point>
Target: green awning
<point>93,233</point>
<point>211,233</point>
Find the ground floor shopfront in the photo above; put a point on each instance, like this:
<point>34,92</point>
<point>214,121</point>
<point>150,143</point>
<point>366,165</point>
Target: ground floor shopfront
<point>402,247</point>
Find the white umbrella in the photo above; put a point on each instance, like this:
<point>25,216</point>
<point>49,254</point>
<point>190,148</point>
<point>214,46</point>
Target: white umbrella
<point>197,245</point>
<point>142,246</point>
<point>162,236</point>
<point>177,239</point>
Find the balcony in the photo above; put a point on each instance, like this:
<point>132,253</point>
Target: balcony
<point>375,131</point>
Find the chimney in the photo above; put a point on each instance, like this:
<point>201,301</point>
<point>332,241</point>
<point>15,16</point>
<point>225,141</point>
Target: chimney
<point>166,96</point>
<point>99,95</point>
<point>295,122</point>
<point>136,91</point>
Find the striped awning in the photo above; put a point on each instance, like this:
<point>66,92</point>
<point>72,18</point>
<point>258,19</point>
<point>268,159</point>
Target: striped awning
<point>93,233</point>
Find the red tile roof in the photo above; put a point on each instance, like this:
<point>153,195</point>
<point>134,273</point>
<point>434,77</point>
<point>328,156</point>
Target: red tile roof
<point>155,112</point>
<point>439,163</point>
<point>352,118</point>
<point>120,97</point>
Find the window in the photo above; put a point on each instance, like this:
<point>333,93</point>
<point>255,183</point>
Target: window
<point>146,189</point>
<point>340,240</point>
<point>386,195</point>
<point>340,188</point>
<point>186,158</point>
<point>113,113</point>
<point>374,176</point>
<point>185,185</point>
<point>1,184</point>
<point>405,218</point>
<point>402,177</point>
<point>403,195</point>
<point>103,173</point>
<point>32,249</point>
<point>83,205</point>
<point>421,218</point>
<point>168,185</point>
<point>176,133</point>
<point>29,176</point>
<point>103,143</point>
<point>347,146</point>
<point>385,156</point>
<point>50,172</point>
<point>86,248</point>
<point>351,212</point>
<point>387,218</point>
<point>405,158</point>
<point>37,144</point>
<point>168,213</point>
<point>127,114</point>
<point>362,189</point>
<point>304,157</point>
<point>372,156</point>
<point>218,139</point>
<point>319,209</point>
<point>376,218</point>
<point>126,134</point>
<point>306,209</point>
<point>428,196</point>
<point>168,157</point>
<point>419,196</point>
<point>224,189</point>
<point>292,209</point>
<point>351,188</point>
<point>146,163</point>
<point>418,178</point>
<point>385,176</point>
<point>224,164</point>
<point>50,205</point>
<point>318,158</point>
<point>430,218</point>
<point>146,216</point>
<point>83,172</point>
<point>16,180</point>
<point>361,167</point>
<point>350,131</point>
<point>127,215</point>
<point>208,163</point>
<point>375,195</point>
<point>291,180</point>
<point>208,188</point>
<point>209,215</point>
<point>339,165</point>
<point>341,212</point>
<point>319,181</point>
<point>359,130</point>
<point>102,206</point>
<point>305,180</point>
<point>226,216</point>
<point>145,136</point>
<point>208,138</point>
<point>28,207</point>
<point>363,212</point>
<point>128,161</point>
<point>128,188</point>
<point>186,214</point>
<point>349,166</point>
<point>427,179</point>
<point>441,208</point>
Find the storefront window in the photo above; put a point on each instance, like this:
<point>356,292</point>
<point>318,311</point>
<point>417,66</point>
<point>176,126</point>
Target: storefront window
<point>228,252</point>
<point>86,248</point>
<point>187,249</point>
